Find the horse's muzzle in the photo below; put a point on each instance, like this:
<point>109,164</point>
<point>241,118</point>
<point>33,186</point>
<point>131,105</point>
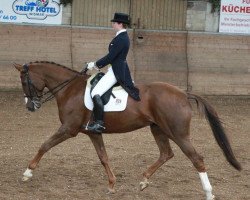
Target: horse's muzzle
<point>30,105</point>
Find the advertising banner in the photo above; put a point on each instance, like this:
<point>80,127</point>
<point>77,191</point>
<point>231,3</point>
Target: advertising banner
<point>31,11</point>
<point>235,16</point>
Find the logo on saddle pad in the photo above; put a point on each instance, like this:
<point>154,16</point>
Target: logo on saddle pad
<point>116,102</point>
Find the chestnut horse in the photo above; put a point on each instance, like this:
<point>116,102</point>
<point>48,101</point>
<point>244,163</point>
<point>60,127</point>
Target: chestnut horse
<point>163,107</point>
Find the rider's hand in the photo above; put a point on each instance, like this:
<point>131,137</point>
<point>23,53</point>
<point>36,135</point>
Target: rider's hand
<point>91,65</point>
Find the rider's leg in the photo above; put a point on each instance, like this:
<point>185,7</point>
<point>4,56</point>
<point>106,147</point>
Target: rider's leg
<point>97,125</point>
<point>106,82</point>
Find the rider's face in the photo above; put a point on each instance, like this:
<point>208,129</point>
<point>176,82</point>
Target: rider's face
<point>117,26</point>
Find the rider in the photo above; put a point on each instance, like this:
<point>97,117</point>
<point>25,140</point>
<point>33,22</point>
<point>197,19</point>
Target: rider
<point>117,72</point>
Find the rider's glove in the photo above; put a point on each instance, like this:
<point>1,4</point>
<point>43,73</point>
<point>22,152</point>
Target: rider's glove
<point>91,65</point>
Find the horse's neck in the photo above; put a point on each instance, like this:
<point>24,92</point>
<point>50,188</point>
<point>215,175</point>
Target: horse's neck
<point>55,76</point>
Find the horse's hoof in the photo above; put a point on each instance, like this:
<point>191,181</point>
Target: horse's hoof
<point>111,191</point>
<point>211,197</point>
<point>144,185</point>
<point>27,175</point>
<point>25,178</point>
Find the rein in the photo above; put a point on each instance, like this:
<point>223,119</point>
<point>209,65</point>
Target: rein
<point>56,89</point>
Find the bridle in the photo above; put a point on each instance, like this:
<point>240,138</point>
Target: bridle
<point>33,92</point>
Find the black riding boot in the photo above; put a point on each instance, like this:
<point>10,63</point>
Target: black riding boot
<point>97,125</point>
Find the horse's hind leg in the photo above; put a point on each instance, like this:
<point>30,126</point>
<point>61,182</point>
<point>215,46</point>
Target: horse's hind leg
<point>166,153</point>
<point>61,135</point>
<point>186,146</point>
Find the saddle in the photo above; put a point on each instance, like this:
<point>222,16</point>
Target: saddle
<point>115,99</point>
<point>106,96</point>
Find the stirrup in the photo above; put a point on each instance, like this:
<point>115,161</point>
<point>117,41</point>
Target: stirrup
<point>96,127</point>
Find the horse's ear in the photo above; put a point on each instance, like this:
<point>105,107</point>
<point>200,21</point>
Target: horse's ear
<point>18,67</point>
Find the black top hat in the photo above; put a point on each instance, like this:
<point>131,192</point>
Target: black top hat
<point>121,18</point>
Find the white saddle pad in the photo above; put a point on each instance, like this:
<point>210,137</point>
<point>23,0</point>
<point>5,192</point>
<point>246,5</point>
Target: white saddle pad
<point>118,103</point>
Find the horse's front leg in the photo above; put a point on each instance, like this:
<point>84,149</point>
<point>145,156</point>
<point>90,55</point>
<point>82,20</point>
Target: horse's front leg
<point>61,135</point>
<point>98,143</point>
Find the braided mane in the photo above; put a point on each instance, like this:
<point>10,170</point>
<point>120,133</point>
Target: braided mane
<point>53,63</point>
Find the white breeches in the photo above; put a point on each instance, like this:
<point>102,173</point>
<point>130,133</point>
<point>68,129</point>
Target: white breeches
<point>106,82</point>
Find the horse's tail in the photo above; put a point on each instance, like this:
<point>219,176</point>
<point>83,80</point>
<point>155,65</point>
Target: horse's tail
<point>218,131</point>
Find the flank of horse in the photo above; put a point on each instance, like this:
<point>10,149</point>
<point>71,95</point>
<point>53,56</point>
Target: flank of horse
<point>163,107</point>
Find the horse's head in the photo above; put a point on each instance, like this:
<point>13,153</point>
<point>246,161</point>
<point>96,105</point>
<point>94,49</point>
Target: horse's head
<point>32,85</point>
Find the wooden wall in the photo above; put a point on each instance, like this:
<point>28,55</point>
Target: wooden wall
<point>206,63</point>
<point>23,44</point>
<point>219,64</point>
<point>159,14</point>
<point>145,14</point>
<point>97,12</point>
<point>160,56</point>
